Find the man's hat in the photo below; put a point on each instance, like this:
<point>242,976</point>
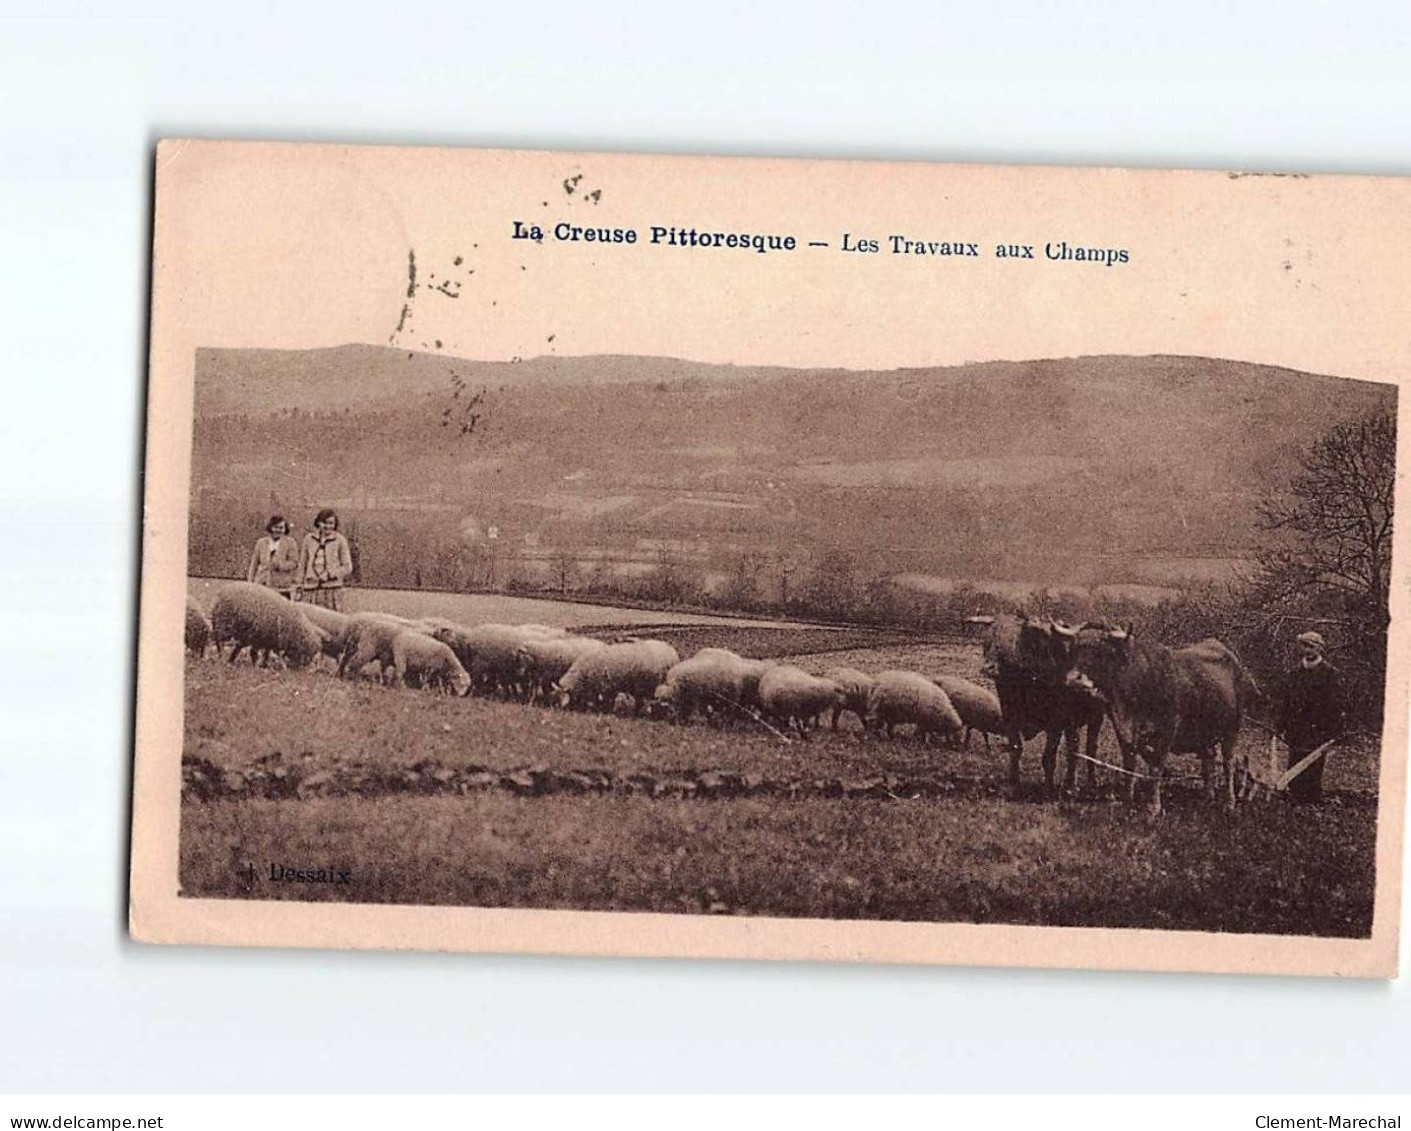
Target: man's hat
<point>1313,638</point>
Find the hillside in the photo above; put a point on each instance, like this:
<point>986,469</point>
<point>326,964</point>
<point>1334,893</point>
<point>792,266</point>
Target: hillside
<point>259,380</point>
<point>1073,470</point>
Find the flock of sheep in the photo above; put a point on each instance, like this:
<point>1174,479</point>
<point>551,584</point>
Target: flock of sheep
<point>534,662</point>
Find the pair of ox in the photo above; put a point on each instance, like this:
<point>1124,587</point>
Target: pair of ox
<point>1057,680</point>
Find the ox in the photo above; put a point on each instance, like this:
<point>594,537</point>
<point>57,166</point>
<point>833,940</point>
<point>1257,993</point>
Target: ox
<point>1029,660</point>
<point>1164,700</point>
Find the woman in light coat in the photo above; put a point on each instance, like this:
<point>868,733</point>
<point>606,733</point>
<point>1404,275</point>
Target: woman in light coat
<point>326,562</point>
<point>275,562</point>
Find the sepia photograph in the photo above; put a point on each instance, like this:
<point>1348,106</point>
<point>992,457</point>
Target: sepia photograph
<point>1045,643</point>
<point>536,612</point>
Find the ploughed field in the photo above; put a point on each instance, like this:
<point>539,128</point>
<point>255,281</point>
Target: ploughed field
<point>427,799</point>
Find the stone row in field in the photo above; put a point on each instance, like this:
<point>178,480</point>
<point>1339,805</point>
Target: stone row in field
<point>275,777</point>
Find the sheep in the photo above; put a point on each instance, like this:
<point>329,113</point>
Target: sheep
<point>857,686</point>
<point>635,667</point>
<point>977,706</point>
<point>333,623</point>
<point>712,679</point>
<point>486,652</point>
<point>422,661</point>
<point>497,663</point>
<point>751,672</point>
<point>543,661</point>
<point>198,628</point>
<point>369,637</point>
<point>489,653</point>
<point>254,617</point>
<point>907,697</point>
<point>789,695</point>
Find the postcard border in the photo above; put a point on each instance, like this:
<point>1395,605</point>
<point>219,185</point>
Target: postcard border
<point>158,914</point>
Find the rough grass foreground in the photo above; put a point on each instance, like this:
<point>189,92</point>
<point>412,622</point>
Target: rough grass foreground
<point>975,856</point>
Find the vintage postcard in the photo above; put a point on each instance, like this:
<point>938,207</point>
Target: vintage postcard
<point>646,555</point>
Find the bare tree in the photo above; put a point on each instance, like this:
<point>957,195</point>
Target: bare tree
<point>564,564</point>
<point>663,583</point>
<point>743,587</point>
<point>1332,527</point>
<point>833,585</point>
<point>1327,564</point>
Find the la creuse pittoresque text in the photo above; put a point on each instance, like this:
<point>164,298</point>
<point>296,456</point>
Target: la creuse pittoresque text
<point>912,245</point>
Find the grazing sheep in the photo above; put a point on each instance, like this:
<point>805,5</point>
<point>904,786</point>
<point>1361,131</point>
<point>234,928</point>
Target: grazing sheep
<point>751,672</point>
<point>369,637</point>
<point>857,686</point>
<point>333,623</point>
<point>712,679</point>
<point>543,661</point>
<point>489,653</point>
<point>977,707</point>
<point>789,695</point>
<point>198,628</point>
<point>635,667</point>
<point>254,617</point>
<point>421,661</point>
<point>906,697</point>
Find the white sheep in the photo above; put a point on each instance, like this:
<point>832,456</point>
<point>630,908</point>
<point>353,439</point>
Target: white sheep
<point>369,637</point>
<point>751,672</point>
<point>635,667</point>
<point>977,706</point>
<point>543,661</point>
<point>198,628</point>
<point>712,679</point>
<point>908,697</point>
<point>857,686</point>
<point>489,653</point>
<point>254,617</point>
<point>333,623</point>
<point>789,695</point>
<point>421,661</point>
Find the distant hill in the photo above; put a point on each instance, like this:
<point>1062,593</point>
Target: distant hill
<point>258,380</point>
<point>1082,470</point>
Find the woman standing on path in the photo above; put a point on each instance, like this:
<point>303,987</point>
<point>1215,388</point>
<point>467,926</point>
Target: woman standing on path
<point>325,563</point>
<point>275,562</point>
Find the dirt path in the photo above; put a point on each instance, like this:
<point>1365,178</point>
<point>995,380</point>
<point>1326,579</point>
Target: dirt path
<point>478,608</point>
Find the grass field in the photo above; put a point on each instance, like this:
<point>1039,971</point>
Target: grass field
<point>972,853</point>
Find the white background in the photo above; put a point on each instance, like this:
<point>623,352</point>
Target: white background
<point>85,88</point>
